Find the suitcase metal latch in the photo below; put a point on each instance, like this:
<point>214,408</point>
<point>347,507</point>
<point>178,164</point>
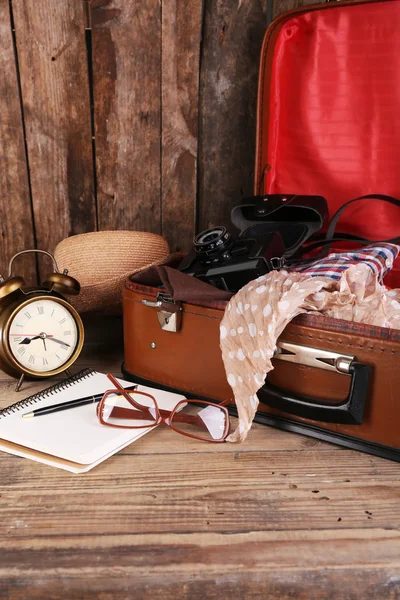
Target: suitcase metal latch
<point>314,357</point>
<point>169,312</point>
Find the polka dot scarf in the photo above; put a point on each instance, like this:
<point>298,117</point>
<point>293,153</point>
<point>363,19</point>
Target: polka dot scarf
<point>256,316</point>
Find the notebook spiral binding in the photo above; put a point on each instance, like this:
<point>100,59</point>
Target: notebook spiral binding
<point>61,385</point>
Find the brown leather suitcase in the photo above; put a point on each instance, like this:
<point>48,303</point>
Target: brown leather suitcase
<point>329,91</point>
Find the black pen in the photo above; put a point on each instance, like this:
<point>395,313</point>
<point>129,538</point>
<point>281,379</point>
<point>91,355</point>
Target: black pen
<point>70,404</point>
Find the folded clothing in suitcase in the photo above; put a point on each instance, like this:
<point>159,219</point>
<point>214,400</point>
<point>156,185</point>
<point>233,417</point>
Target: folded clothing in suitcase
<point>327,125</point>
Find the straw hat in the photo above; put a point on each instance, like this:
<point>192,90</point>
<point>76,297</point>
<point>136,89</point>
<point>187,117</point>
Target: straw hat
<point>102,260</point>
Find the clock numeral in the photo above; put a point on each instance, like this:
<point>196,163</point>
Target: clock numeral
<point>40,310</point>
<point>17,338</point>
<point>18,325</point>
<point>32,359</point>
<point>59,357</point>
<point>53,312</point>
<point>67,332</point>
<point>62,321</point>
<point>45,361</point>
<point>21,351</point>
<point>28,315</point>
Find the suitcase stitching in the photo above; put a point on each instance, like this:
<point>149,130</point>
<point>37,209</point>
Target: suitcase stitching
<point>339,343</point>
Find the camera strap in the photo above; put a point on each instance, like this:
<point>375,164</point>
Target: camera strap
<point>331,237</point>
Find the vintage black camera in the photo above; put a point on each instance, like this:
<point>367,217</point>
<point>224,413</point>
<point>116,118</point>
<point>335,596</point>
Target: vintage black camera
<point>228,263</point>
<point>272,228</point>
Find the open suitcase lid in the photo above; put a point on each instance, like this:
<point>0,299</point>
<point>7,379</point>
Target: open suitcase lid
<point>329,110</point>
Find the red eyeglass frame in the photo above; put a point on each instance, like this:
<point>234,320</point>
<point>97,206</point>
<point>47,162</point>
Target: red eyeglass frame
<point>162,416</point>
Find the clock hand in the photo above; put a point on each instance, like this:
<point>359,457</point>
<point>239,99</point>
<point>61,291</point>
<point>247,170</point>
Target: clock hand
<point>44,343</point>
<point>31,334</point>
<point>28,340</point>
<point>59,341</point>
<point>42,335</point>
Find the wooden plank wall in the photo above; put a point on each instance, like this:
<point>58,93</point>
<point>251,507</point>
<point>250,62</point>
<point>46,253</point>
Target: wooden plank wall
<point>17,230</point>
<point>117,114</point>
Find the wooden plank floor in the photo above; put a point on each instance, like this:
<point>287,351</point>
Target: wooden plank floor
<point>281,516</point>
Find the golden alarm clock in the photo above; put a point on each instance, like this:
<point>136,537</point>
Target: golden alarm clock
<point>41,334</point>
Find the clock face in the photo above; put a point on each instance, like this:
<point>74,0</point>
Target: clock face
<point>43,335</point>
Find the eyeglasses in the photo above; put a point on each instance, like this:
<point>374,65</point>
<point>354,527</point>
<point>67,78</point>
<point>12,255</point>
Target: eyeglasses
<point>197,419</point>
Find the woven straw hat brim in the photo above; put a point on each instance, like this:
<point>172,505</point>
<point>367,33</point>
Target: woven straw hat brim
<point>102,261</point>
<point>95,297</point>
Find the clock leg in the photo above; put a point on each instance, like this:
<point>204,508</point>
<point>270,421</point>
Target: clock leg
<point>20,380</point>
<point>68,373</point>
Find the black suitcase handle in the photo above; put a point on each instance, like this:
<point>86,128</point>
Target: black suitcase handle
<point>350,411</point>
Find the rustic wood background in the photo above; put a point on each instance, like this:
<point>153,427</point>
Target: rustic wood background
<point>117,114</point>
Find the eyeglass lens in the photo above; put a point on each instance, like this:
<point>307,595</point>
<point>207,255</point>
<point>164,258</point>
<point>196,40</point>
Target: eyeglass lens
<point>205,422</point>
<point>119,412</point>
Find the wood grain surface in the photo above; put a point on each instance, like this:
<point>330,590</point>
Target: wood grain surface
<point>233,35</point>
<point>55,95</point>
<point>280,516</point>
<point>127,112</point>
<point>16,229</point>
<point>181,31</point>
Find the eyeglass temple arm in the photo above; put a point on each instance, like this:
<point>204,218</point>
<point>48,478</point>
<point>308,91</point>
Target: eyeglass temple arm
<point>116,384</point>
<point>226,402</point>
<point>129,396</point>
<point>119,412</point>
<point>191,419</point>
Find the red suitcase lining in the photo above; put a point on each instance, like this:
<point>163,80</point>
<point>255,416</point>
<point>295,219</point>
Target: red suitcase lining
<point>329,103</point>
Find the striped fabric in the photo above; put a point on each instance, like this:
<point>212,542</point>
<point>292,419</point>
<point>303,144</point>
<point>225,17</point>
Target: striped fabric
<point>379,258</point>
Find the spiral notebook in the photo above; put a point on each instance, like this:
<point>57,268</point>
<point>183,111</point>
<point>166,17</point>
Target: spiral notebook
<point>73,439</point>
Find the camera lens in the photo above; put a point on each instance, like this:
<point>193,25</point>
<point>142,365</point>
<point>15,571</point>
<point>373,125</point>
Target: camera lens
<point>209,237</point>
<point>210,244</point>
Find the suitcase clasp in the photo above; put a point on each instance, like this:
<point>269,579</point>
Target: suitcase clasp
<point>169,312</point>
<point>314,357</point>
